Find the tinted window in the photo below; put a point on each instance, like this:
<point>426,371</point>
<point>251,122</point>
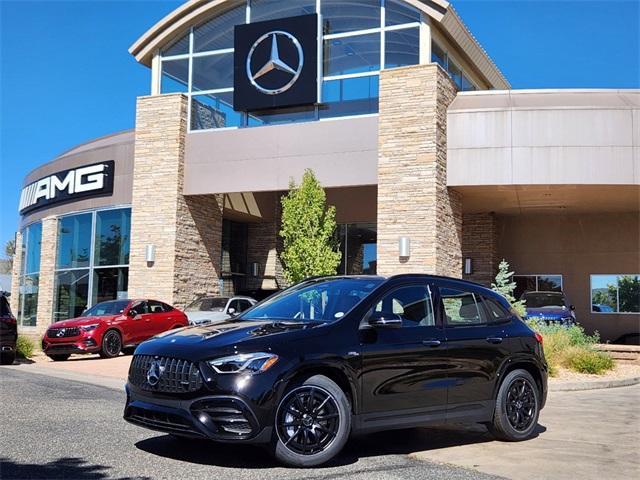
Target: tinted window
<point>243,305</point>
<point>5,310</point>
<point>494,309</point>
<point>156,307</point>
<point>140,307</point>
<point>106,308</point>
<point>461,308</point>
<point>412,304</point>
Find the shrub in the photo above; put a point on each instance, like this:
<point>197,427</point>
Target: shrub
<point>24,347</point>
<point>573,349</point>
<point>505,286</point>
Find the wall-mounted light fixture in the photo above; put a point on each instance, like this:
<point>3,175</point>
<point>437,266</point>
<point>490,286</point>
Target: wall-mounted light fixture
<point>150,255</point>
<point>468,266</point>
<point>404,247</point>
<point>255,269</point>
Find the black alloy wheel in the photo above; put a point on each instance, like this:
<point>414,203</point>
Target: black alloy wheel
<point>517,407</point>
<point>111,344</point>
<point>312,423</point>
<point>308,420</point>
<point>7,358</point>
<point>521,404</point>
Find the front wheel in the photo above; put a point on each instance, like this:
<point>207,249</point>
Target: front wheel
<point>517,407</point>
<point>312,423</point>
<point>111,344</point>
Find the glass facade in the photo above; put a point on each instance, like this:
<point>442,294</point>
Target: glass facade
<point>29,275</point>
<point>358,245</point>
<point>457,74</point>
<point>359,38</point>
<point>92,260</point>
<point>615,293</point>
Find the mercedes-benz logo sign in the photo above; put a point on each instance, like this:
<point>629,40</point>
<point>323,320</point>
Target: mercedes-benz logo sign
<point>61,332</point>
<point>154,373</point>
<point>275,62</point>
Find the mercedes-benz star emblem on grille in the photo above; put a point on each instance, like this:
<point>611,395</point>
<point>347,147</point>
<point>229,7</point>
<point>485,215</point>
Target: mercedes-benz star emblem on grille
<point>275,62</point>
<point>154,373</point>
<point>60,333</point>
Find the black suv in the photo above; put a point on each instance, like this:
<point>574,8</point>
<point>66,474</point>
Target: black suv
<point>8,332</point>
<point>332,356</point>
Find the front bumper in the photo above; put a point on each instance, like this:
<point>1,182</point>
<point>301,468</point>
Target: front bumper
<point>80,344</point>
<point>222,418</point>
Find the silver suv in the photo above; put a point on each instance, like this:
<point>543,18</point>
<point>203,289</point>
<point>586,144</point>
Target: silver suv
<point>217,309</point>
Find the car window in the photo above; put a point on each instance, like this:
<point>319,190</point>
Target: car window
<point>461,308</point>
<point>167,308</point>
<point>5,310</point>
<point>140,307</point>
<point>494,309</point>
<point>411,303</point>
<point>243,305</point>
<point>155,307</point>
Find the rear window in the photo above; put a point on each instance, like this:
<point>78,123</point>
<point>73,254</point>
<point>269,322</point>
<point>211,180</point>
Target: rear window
<point>5,310</point>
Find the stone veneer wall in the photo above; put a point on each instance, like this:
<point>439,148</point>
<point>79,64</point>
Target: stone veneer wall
<point>264,247</point>
<point>186,231</point>
<point>15,275</point>
<point>413,199</point>
<point>480,243</point>
<point>48,249</point>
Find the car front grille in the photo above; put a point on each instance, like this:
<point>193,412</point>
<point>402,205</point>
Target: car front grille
<point>164,374</point>
<point>166,422</point>
<point>63,332</point>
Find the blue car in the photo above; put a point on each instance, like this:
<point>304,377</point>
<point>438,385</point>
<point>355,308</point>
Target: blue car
<point>550,308</point>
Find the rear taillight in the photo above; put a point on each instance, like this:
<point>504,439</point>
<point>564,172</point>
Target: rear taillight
<point>539,338</point>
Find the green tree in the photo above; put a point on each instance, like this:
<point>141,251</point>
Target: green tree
<point>505,286</point>
<point>9,253</point>
<point>629,293</point>
<point>308,231</point>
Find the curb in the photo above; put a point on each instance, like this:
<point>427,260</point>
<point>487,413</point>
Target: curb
<point>593,385</point>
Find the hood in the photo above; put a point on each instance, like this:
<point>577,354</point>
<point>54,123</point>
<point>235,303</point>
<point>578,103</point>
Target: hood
<point>208,341</point>
<point>553,311</point>
<point>80,321</point>
<point>202,316</point>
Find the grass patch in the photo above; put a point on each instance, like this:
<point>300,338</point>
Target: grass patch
<point>573,349</point>
<point>24,347</point>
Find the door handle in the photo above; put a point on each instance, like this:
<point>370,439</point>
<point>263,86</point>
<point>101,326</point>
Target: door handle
<point>431,343</point>
<point>495,340</point>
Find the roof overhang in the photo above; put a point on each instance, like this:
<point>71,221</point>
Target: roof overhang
<point>193,12</point>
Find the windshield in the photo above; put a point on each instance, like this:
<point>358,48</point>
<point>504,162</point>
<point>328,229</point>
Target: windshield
<point>541,300</point>
<point>322,299</point>
<point>107,308</point>
<point>208,304</point>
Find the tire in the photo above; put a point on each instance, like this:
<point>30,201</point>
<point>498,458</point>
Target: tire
<point>317,397</point>
<point>60,357</point>
<point>7,358</point>
<point>517,408</point>
<point>111,344</point>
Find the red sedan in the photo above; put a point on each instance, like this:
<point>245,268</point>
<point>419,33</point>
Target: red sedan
<point>109,327</point>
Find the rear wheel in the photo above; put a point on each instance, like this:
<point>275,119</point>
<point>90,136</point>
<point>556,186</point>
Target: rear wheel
<point>111,344</point>
<point>60,357</point>
<point>7,358</point>
<point>312,424</point>
<point>517,407</point>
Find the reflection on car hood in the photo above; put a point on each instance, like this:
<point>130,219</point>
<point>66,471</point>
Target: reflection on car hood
<point>80,321</point>
<point>206,341</point>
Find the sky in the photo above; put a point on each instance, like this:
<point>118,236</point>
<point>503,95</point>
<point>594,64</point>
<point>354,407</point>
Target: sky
<point>66,75</point>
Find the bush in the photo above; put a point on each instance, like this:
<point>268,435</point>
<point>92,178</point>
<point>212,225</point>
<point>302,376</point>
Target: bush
<point>573,349</point>
<point>24,347</point>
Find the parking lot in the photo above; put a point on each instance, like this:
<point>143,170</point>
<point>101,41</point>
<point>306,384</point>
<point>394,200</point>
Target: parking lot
<point>64,424</point>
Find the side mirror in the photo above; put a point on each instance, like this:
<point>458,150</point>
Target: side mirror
<point>385,320</point>
<point>132,313</point>
<point>231,311</point>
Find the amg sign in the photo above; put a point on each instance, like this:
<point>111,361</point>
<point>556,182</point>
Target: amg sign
<point>68,186</point>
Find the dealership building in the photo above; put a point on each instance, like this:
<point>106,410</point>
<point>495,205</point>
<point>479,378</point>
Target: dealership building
<point>433,163</point>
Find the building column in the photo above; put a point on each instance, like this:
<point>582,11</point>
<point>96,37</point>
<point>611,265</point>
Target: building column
<point>15,275</point>
<point>480,244</point>
<point>46,280</point>
<point>186,231</point>
<point>413,198</point>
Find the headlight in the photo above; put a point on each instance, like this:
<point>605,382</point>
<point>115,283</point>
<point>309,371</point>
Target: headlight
<point>88,328</point>
<point>249,362</point>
